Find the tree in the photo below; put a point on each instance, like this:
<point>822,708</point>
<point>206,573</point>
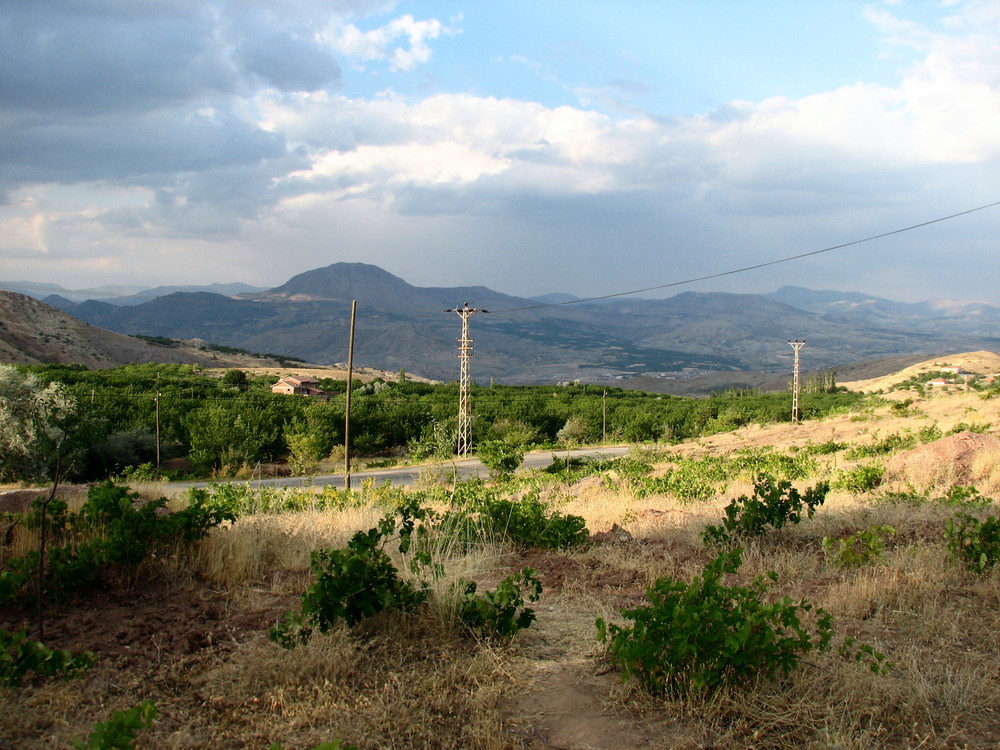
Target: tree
<point>33,425</point>
<point>236,378</point>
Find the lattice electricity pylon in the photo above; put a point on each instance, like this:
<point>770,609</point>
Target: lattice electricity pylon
<point>464,401</point>
<point>796,383</point>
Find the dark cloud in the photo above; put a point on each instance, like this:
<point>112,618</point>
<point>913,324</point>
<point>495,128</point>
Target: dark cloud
<point>289,63</point>
<point>90,58</point>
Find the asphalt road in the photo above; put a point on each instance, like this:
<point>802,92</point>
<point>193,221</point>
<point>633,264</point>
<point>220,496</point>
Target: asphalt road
<point>408,475</point>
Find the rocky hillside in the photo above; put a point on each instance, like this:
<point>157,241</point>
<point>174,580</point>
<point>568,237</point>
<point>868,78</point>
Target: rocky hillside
<point>663,342</point>
<point>32,332</point>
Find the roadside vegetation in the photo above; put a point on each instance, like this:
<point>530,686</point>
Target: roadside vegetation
<point>116,422</point>
<point>830,584</point>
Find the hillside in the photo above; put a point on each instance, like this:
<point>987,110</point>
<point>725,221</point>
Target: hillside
<point>657,343</point>
<point>980,363</point>
<point>32,332</point>
<point>875,556</point>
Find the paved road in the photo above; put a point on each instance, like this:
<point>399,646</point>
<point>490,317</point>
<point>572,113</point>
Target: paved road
<point>407,475</point>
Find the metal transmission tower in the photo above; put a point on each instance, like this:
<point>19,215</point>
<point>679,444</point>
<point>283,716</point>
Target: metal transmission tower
<point>796,383</point>
<point>464,355</point>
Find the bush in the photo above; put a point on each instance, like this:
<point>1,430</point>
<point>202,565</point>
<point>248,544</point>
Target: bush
<point>352,584</point>
<point>500,457</point>
<point>21,658</point>
<point>530,523</point>
<point>501,612</point>
<point>858,549</point>
<point>976,543</point>
<point>774,504</point>
<point>112,531</point>
<point>121,730</point>
<point>860,479</point>
<point>694,638</point>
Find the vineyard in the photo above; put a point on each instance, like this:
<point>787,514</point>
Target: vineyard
<point>830,584</point>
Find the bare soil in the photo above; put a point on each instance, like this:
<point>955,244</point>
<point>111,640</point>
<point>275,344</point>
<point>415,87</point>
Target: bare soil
<point>200,649</point>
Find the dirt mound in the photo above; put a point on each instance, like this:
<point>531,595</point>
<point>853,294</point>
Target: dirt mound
<point>982,362</point>
<point>961,459</point>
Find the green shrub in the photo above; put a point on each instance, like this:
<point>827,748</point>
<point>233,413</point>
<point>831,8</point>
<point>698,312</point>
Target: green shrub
<point>121,730</point>
<point>694,638</point>
<point>21,658</point>
<point>352,584</point>
<point>529,522</point>
<point>112,531</point>
<point>773,505</point>
<point>500,457</point>
<point>973,541</point>
<point>858,549</point>
<point>499,613</point>
<point>861,479</point>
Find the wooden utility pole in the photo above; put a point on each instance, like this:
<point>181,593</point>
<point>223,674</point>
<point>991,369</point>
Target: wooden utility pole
<point>464,400</point>
<point>347,399</point>
<point>157,400</point>
<point>796,384</point>
<point>604,416</point>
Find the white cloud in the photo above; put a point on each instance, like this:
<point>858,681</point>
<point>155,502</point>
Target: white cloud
<point>381,43</point>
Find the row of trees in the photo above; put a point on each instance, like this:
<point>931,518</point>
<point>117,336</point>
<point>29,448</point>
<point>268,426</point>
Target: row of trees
<point>102,421</point>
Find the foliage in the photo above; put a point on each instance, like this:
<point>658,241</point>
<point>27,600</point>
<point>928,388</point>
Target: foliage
<point>218,425</point>
<point>353,583</point>
<point>500,457</point>
<point>112,531</point>
<point>121,730</point>
<point>858,549</point>
<point>877,663</point>
<point>529,523</point>
<point>973,541</point>
<point>21,658</point>
<point>694,638</point>
<point>862,478</point>
<point>499,613</point>
<point>773,505</point>
<point>891,443</point>
<point>33,422</point>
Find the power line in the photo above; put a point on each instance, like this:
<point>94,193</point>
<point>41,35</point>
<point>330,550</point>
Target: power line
<point>756,265</point>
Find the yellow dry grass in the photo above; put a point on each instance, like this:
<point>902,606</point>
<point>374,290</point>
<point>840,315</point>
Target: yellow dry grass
<point>418,682</point>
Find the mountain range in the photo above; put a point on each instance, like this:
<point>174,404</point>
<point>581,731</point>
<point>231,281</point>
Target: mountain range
<point>658,343</point>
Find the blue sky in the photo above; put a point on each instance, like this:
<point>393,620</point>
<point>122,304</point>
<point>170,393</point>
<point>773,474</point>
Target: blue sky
<point>531,147</point>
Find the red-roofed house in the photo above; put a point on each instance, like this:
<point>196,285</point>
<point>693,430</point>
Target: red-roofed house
<point>298,386</point>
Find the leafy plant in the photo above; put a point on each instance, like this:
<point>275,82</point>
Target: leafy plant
<point>694,638</point>
<point>502,458</point>
<point>501,612</point>
<point>973,541</point>
<point>530,523</point>
<point>860,479</point>
<point>352,584</point>
<point>121,730</point>
<point>111,531</point>
<point>858,549</point>
<point>21,658</point>
<point>773,505</point>
<point>877,662</point>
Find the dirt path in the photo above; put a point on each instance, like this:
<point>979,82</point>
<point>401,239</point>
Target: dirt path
<point>568,707</point>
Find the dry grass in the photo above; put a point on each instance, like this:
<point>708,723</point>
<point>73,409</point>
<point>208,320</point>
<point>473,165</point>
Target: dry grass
<point>415,682</point>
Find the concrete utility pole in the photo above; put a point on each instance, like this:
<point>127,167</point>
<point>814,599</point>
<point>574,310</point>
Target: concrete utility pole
<point>796,384</point>
<point>464,355</point>
<point>347,399</point>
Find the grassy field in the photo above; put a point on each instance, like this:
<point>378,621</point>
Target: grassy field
<point>189,631</point>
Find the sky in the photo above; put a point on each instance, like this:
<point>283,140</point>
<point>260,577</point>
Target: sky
<point>531,146</point>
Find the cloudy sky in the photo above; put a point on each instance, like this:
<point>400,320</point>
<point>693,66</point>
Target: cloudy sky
<point>532,147</point>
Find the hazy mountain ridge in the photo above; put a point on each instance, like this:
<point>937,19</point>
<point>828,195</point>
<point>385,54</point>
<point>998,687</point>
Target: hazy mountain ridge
<point>33,332</point>
<point>931,316</point>
<point>519,340</point>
